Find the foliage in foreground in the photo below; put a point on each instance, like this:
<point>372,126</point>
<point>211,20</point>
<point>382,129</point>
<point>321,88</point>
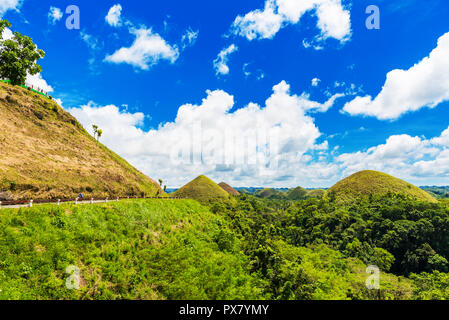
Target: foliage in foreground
<point>128,250</point>
<point>248,248</point>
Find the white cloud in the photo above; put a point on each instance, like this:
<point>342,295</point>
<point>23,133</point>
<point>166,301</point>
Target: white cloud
<point>54,15</point>
<point>417,159</point>
<point>147,50</point>
<point>6,5</point>
<point>38,82</point>
<point>221,62</point>
<point>426,84</point>
<point>277,144</point>
<point>334,20</point>
<point>7,34</point>
<point>91,41</point>
<point>189,38</point>
<point>315,82</point>
<point>250,146</point>
<point>113,17</point>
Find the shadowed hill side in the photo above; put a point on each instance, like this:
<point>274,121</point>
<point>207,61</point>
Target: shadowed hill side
<point>368,182</point>
<point>226,187</point>
<point>202,189</point>
<point>46,153</point>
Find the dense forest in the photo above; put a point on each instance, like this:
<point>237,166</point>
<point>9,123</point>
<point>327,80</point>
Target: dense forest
<point>243,248</point>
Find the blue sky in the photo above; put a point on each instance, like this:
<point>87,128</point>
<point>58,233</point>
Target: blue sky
<point>142,70</point>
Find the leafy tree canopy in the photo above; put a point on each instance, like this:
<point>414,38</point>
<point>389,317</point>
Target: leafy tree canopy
<point>18,56</point>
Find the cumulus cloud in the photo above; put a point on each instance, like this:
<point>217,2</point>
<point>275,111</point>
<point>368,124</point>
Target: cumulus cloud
<point>54,15</point>
<point>426,84</point>
<point>275,143</point>
<point>221,62</point>
<point>6,5</point>
<point>334,20</point>
<point>37,81</point>
<point>7,34</point>
<point>315,82</point>
<point>416,159</point>
<point>113,17</point>
<point>147,50</point>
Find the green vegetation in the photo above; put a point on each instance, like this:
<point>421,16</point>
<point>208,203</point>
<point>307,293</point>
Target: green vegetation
<point>47,154</point>
<point>226,187</point>
<point>270,193</point>
<point>240,248</point>
<point>298,193</point>
<point>135,249</point>
<point>372,183</point>
<point>437,192</point>
<point>202,189</point>
<point>18,56</point>
<point>316,193</point>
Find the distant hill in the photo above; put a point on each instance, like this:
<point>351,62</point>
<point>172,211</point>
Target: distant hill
<point>437,192</point>
<point>373,182</point>
<point>270,193</point>
<point>297,193</point>
<point>316,193</point>
<point>226,187</point>
<point>202,189</point>
<point>46,153</point>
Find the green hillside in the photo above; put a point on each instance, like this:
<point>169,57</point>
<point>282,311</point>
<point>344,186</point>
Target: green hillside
<point>202,189</point>
<point>372,182</point>
<point>297,193</point>
<point>270,193</point>
<point>136,249</point>
<point>46,153</point>
<point>316,193</point>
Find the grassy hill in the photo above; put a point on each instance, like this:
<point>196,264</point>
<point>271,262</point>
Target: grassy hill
<point>316,193</point>
<point>297,193</point>
<point>202,189</point>
<point>135,249</point>
<point>270,193</point>
<point>372,182</point>
<point>226,187</point>
<point>46,153</point>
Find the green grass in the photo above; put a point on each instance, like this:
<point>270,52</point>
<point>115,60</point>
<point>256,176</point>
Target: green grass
<point>202,189</point>
<point>136,249</point>
<point>369,182</point>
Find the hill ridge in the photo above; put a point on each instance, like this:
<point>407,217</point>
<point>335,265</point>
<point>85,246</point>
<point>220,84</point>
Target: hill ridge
<point>46,154</point>
<point>368,182</point>
<point>202,189</point>
<point>226,187</point>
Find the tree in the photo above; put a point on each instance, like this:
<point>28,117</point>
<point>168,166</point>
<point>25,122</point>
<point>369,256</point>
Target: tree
<point>99,134</point>
<point>95,127</point>
<point>18,56</point>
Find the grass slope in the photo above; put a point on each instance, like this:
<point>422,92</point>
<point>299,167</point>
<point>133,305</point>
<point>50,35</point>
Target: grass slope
<point>45,153</point>
<point>136,249</point>
<point>226,187</point>
<point>297,193</point>
<point>270,193</point>
<point>373,182</point>
<point>202,189</point>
